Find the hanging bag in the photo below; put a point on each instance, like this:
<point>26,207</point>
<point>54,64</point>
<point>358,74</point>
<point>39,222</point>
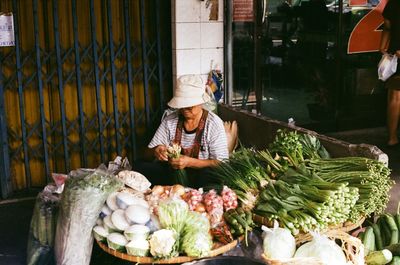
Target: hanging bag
<point>387,66</point>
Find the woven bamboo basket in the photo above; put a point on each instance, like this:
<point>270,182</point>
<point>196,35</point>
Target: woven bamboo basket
<point>217,250</point>
<point>345,227</point>
<point>352,247</point>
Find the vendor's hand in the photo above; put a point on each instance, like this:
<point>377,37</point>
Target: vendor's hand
<point>180,163</point>
<point>160,152</point>
<point>398,53</point>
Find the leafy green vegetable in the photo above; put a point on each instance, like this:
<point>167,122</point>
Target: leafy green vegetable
<point>197,244</point>
<point>172,214</point>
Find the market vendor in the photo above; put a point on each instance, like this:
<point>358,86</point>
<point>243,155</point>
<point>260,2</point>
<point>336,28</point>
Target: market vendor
<point>199,133</point>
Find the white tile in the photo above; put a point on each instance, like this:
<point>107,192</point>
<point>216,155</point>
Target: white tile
<point>187,35</point>
<point>211,59</point>
<point>188,62</point>
<point>212,35</point>
<point>205,12</point>
<point>204,78</point>
<point>187,10</point>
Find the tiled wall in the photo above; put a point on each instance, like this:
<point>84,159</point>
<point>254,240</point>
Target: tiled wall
<point>197,42</point>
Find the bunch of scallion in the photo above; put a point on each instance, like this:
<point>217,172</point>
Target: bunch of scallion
<point>371,177</point>
<point>242,173</point>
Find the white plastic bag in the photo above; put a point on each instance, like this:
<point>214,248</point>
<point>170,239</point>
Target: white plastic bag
<point>83,197</point>
<point>387,66</point>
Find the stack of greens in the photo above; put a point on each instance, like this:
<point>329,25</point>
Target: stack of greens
<point>244,174</point>
<point>306,189</point>
<point>371,177</point>
<point>303,205</point>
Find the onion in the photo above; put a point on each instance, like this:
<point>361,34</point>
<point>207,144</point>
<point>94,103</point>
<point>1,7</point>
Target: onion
<point>178,190</point>
<point>200,208</point>
<point>157,190</point>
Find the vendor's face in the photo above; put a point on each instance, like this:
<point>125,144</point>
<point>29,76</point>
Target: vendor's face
<point>191,112</point>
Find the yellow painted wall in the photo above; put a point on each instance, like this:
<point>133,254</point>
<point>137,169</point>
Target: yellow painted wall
<point>51,92</point>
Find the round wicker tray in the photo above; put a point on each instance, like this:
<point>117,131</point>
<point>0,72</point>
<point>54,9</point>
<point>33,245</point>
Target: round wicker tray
<point>218,250</point>
<point>345,227</point>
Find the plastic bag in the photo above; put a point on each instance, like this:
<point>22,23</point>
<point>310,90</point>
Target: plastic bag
<point>387,66</point>
<point>42,229</point>
<point>211,104</point>
<point>84,195</point>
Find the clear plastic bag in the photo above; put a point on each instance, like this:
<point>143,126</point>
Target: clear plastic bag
<point>84,195</point>
<point>387,66</point>
<point>42,229</point>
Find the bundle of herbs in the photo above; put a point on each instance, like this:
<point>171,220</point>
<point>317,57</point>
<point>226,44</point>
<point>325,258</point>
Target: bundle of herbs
<point>243,174</point>
<point>290,149</point>
<point>180,175</point>
<point>371,177</point>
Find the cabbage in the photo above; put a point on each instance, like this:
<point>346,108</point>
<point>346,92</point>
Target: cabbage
<point>112,201</point>
<point>163,244</point>
<point>108,225</point>
<point>139,247</point>
<point>100,233</point>
<point>136,232</point>
<point>117,242</point>
<point>99,221</point>
<point>324,249</point>
<point>197,244</point>
<point>153,223</point>
<point>196,222</point>
<point>105,210</point>
<point>125,199</point>
<point>137,214</point>
<point>173,214</point>
<point>278,243</point>
<point>119,221</point>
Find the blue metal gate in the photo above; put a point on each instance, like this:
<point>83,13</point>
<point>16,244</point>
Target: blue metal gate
<point>86,80</point>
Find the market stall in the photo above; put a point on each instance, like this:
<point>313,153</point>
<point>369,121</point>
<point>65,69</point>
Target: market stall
<point>311,208</point>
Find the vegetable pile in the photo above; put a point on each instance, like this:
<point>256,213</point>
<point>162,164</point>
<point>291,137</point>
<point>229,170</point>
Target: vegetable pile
<point>295,182</point>
<point>166,221</point>
<point>381,240</point>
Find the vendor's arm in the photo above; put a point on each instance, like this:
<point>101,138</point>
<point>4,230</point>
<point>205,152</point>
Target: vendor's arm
<point>186,161</point>
<point>159,153</point>
<point>157,148</point>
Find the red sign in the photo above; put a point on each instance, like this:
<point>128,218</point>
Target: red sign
<point>365,36</point>
<point>358,2</point>
<point>243,10</point>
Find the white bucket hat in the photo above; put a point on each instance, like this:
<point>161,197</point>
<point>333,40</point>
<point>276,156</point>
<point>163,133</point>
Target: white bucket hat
<point>190,91</point>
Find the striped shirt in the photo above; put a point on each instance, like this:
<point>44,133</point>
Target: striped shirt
<point>213,142</point>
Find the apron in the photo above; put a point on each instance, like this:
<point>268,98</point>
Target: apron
<point>194,150</point>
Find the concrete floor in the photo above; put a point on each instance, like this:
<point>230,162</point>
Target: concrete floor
<point>15,215</point>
